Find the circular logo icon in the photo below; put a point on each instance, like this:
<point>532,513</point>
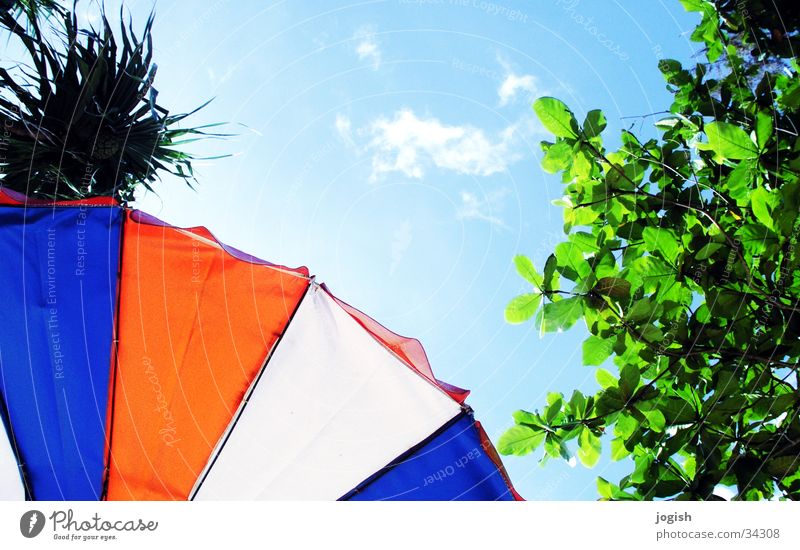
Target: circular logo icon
<point>31,523</point>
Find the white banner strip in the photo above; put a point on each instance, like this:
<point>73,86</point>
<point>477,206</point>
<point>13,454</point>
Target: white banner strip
<point>354,525</point>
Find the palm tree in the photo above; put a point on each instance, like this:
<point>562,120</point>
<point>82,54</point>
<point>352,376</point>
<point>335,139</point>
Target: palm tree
<point>79,117</point>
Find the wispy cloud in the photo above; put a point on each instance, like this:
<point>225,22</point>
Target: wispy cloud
<point>408,143</point>
<point>367,48</point>
<point>345,129</point>
<point>514,83</point>
<point>483,208</point>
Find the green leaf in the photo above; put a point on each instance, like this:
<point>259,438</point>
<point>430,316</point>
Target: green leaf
<point>762,202</point>
<point>629,380</point>
<point>605,379</point>
<point>577,404</point>
<point>520,440</point>
<point>618,450</point>
<point>625,425</point>
<point>582,164</point>
<point>596,350</point>
<point>562,314</point>
<point>555,447</point>
<point>527,270</point>
<point>764,128</point>
<point>605,489</point>
<point>613,287</point>
<point>669,66</point>
<point>740,181</point>
<point>588,448</point>
<point>609,400</point>
<point>656,420</point>
<point>642,310</point>
<point>693,5</point>
<point>690,467</point>
<point>555,402</point>
<point>557,157</point>
<point>640,472</point>
<point>594,123</point>
<point>525,417</point>
<point>569,258</point>
<point>724,303</point>
<point>550,280</point>
<point>556,117</point>
<point>707,251</point>
<point>755,238</point>
<point>648,272</point>
<point>729,141</point>
<point>783,466</point>
<point>663,241</point>
<point>651,333</point>
<point>586,242</point>
<point>523,307</point>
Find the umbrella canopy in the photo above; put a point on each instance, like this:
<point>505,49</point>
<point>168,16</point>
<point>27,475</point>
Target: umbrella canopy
<point>140,361</point>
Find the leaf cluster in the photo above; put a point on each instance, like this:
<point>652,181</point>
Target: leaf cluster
<point>681,256</point>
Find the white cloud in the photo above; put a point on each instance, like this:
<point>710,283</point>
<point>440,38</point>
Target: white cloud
<point>512,84</point>
<point>406,143</point>
<point>367,48</point>
<point>345,129</point>
<point>483,208</point>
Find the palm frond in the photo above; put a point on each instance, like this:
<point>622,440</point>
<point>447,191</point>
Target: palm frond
<point>81,113</point>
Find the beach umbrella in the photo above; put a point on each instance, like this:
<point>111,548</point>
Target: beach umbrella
<point>140,361</point>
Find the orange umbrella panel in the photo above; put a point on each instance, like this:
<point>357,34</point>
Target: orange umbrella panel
<point>196,324</point>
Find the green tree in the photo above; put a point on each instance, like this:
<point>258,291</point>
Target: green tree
<point>681,256</point>
<point>79,113</point>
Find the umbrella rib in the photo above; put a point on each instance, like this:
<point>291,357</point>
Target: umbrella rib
<point>115,355</point>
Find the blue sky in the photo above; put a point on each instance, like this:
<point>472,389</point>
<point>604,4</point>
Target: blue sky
<point>389,145</point>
